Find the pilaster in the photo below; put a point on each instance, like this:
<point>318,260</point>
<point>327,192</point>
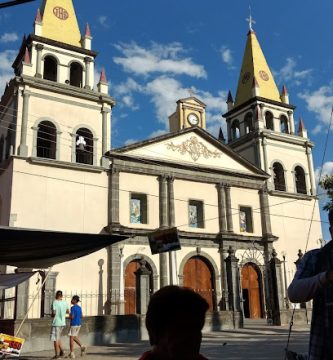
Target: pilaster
<point>113,197</point>
<point>233,280</point>
<point>105,114</point>
<point>230,226</point>
<point>39,49</point>
<point>23,148</point>
<point>221,207</point>
<point>87,61</point>
<point>142,288</point>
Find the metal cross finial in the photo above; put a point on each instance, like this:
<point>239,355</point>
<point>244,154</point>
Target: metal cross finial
<point>250,20</point>
<point>191,92</point>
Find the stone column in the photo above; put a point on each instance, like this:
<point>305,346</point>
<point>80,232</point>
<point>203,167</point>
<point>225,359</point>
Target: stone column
<point>265,213</point>
<point>105,112</point>
<point>224,305</point>
<point>21,297</point>
<point>114,197</point>
<point>87,61</point>
<point>221,207</point>
<point>264,150</point>
<point>277,288</point>
<point>163,200</point>
<point>233,280</point>
<point>311,170</point>
<point>297,262</point>
<point>291,123</point>
<point>49,291</point>
<point>111,305</point>
<point>39,48</point>
<point>100,287</point>
<point>173,274</point>
<point>121,309</point>
<point>23,148</point>
<point>230,226</point>
<point>142,288</point>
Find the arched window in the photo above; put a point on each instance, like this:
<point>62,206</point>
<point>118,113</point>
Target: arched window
<point>84,146</point>
<point>248,122</point>
<point>76,71</point>
<point>300,180</point>
<point>235,130</point>
<point>269,121</point>
<point>284,127</point>
<point>50,68</point>
<point>46,140</point>
<point>278,177</point>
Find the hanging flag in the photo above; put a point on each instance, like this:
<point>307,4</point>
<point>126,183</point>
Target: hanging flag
<point>164,240</point>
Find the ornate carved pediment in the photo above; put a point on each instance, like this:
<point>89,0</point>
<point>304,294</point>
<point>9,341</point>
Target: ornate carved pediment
<point>194,148</point>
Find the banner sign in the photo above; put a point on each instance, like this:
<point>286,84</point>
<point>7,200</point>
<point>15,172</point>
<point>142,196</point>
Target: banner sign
<point>10,345</point>
<point>162,241</point>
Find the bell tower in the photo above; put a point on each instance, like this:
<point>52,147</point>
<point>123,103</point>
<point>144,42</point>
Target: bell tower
<point>261,126</point>
<point>190,112</point>
<point>64,118</point>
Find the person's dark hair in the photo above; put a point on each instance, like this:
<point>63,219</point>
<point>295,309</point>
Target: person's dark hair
<point>173,306</point>
<point>76,298</point>
<point>58,294</point>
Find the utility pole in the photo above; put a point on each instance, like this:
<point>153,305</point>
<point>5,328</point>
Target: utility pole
<point>13,3</point>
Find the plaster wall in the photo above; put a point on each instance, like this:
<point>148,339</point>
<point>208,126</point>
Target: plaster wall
<point>53,198</point>
<point>144,184</point>
<point>207,193</point>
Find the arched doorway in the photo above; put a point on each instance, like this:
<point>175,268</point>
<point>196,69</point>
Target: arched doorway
<point>130,285</point>
<point>251,287</point>
<point>199,276</point>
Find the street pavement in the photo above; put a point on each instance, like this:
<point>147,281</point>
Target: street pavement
<point>256,341</point>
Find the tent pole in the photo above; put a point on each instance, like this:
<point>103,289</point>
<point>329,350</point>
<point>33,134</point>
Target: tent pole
<point>33,301</point>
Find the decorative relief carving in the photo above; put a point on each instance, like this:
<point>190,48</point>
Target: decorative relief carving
<point>194,148</point>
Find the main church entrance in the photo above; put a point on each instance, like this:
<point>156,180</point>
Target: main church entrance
<point>251,288</point>
<point>199,276</point>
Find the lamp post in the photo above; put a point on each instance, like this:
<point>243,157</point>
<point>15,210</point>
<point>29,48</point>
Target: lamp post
<point>285,280</point>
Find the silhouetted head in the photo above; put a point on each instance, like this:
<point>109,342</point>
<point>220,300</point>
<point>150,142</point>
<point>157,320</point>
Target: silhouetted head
<point>75,299</point>
<point>174,321</point>
<point>59,295</point>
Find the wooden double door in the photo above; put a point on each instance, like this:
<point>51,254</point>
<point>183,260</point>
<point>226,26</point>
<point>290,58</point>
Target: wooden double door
<point>199,276</point>
<point>130,286</point>
<point>252,292</point>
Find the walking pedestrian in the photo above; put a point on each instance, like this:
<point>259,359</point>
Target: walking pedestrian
<point>59,310</point>
<point>76,317</point>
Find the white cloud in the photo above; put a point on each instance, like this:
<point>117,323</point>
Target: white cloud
<point>6,72</point>
<point>289,73</point>
<point>320,102</point>
<point>103,21</point>
<point>8,37</point>
<point>158,132</point>
<point>163,59</point>
<point>227,56</point>
<point>130,142</point>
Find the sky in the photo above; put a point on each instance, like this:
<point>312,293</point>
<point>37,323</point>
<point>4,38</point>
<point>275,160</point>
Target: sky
<point>154,51</point>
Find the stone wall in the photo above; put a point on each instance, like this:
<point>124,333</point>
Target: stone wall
<point>105,330</point>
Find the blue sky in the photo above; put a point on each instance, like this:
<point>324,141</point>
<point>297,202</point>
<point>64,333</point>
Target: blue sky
<point>154,51</point>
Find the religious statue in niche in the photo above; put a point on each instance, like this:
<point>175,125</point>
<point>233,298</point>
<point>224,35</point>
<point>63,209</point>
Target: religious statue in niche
<point>193,216</point>
<point>242,218</point>
<point>135,211</point>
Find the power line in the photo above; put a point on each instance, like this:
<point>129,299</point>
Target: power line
<point>14,3</point>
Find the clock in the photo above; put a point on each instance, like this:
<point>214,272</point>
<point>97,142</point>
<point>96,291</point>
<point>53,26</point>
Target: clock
<point>246,77</point>
<point>60,13</point>
<point>193,119</point>
<point>263,74</point>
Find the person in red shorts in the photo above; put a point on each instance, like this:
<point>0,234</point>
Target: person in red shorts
<point>174,320</point>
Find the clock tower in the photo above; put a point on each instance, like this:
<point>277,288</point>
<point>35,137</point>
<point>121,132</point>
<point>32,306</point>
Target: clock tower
<point>190,112</point>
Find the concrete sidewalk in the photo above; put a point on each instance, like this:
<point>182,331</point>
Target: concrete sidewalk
<point>256,341</point>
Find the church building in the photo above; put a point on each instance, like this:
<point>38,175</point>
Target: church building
<point>240,206</point>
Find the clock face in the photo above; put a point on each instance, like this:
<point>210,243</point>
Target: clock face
<point>193,119</point>
<point>246,77</point>
<point>263,74</point>
<point>60,13</point>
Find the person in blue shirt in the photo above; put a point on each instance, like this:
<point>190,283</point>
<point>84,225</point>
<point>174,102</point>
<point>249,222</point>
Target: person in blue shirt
<point>75,316</point>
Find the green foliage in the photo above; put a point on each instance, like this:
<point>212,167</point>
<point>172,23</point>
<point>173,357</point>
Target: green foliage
<point>327,184</point>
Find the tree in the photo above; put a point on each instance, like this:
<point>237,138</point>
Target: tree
<point>327,184</point>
